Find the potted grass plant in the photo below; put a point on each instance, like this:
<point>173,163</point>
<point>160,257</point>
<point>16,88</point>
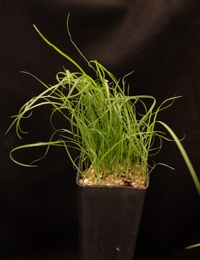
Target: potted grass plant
<point>115,135</point>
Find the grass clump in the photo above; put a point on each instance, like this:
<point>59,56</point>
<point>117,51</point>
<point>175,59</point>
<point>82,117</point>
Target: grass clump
<point>106,126</point>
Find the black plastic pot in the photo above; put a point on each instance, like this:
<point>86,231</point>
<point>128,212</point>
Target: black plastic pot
<point>109,219</point>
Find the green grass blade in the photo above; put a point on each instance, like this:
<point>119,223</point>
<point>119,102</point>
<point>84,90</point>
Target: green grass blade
<point>189,247</point>
<point>185,156</point>
<point>58,50</point>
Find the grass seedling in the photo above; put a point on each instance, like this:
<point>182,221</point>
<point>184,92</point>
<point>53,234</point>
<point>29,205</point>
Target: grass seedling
<point>106,126</point>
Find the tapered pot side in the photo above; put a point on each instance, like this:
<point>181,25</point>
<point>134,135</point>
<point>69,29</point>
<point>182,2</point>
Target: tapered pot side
<point>109,218</point>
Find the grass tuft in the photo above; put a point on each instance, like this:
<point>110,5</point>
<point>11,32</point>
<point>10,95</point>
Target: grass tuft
<point>107,126</point>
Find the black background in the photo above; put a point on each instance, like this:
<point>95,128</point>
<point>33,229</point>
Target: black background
<point>160,40</point>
